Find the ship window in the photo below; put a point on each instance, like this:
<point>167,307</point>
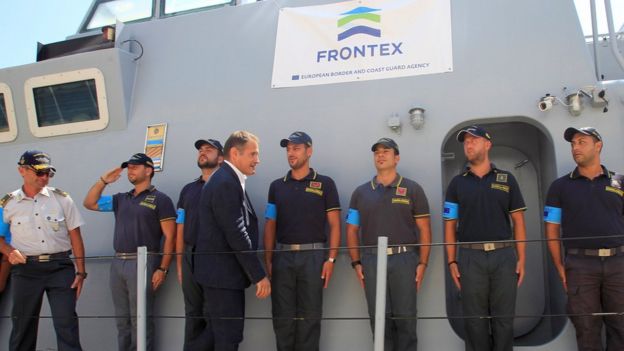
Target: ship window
<point>66,103</point>
<point>109,12</point>
<point>173,7</point>
<point>8,127</point>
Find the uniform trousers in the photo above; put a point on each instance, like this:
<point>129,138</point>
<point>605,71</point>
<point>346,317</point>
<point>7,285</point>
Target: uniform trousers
<point>400,333</point>
<point>596,284</point>
<point>30,281</point>
<point>297,292</point>
<point>488,288</point>
<point>196,335</point>
<point>224,310</point>
<point>123,285</point>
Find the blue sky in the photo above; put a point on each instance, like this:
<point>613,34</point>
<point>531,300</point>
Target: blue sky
<point>23,23</point>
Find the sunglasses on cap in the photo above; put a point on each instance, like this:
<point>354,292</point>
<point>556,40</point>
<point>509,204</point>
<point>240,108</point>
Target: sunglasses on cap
<point>41,172</point>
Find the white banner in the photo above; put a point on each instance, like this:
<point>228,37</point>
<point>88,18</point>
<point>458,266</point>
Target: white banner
<point>362,40</point>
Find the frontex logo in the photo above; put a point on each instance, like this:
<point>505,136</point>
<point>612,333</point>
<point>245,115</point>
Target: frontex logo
<point>359,13</point>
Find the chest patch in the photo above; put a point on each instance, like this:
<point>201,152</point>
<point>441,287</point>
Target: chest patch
<point>400,200</point>
<point>501,178</point>
<point>316,185</point>
<point>147,204</point>
<point>150,199</point>
<point>620,192</point>
<point>401,191</point>
<point>318,192</point>
<point>501,187</point>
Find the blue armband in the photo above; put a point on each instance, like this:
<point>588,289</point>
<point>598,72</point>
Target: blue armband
<point>353,217</point>
<point>270,212</point>
<point>105,203</point>
<point>552,214</point>
<point>4,227</point>
<point>181,216</point>
<point>451,210</point>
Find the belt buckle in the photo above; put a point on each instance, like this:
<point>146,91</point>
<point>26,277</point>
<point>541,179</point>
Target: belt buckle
<point>604,252</point>
<point>295,247</point>
<point>43,258</point>
<point>389,251</point>
<point>489,247</point>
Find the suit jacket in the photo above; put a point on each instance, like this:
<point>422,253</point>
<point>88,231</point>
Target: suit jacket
<point>227,223</point>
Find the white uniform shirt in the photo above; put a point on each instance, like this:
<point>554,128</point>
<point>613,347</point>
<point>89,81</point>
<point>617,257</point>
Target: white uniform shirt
<point>40,225</point>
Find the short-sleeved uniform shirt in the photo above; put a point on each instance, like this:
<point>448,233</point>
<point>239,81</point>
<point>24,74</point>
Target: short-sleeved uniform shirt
<point>39,225</point>
<point>137,218</point>
<point>388,211</point>
<point>586,208</point>
<point>188,210</point>
<point>482,205</point>
<point>300,207</point>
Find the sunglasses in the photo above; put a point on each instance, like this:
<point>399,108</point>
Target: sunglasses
<point>41,173</point>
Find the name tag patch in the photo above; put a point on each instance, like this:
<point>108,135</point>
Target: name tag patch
<point>620,192</point>
<point>148,205</point>
<point>400,200</point>
<point>318,192</point>
<point>501,187</point>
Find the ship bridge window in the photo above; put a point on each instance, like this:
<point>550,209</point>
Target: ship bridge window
<point>108,12</point>
<point>8,127</point>
<point>174,7</point>
<point>66,103</point>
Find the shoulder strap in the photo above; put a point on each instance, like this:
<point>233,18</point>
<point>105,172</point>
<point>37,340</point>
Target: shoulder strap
<point>5,199</point>
<point>59,191</point>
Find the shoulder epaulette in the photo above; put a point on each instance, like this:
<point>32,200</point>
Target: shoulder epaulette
<point>59,191</point>
<point>5,199</point>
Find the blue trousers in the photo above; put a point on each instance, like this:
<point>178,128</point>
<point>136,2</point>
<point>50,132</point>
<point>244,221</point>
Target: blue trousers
<point>400,333</point>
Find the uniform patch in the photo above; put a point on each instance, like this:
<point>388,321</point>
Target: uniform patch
<point>5,200</point>
<point>314,191</point>
<point>502,187</point>
<point>148,205</point>
<point>316,185</point>
<point>59,191</point>
<point>150,199</point>
<point>401,191</point>
<point>400,200</point>
<point>501,178</point>
<point>615,190</point>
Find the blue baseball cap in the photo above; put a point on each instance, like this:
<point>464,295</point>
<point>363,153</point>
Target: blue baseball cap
<point>139,159</point>
<point>591,131</point>
<point>36,159</point>
<point>212,142</point>
<point>297,138</point>
<point>387,142</point>
<point>474,130</point>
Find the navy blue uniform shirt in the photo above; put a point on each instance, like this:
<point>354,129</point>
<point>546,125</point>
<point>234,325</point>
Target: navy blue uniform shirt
<point>137,219</point>
<point>388,211</point>
<point>300,207</point>
<point>587,208</point>
<point>482,205</point>
<point>188,210</point>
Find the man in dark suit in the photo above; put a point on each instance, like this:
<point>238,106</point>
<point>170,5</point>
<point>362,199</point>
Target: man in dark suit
<point>225,263</point>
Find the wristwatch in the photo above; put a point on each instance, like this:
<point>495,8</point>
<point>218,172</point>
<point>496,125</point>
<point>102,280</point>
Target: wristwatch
<point>82,274</point>
<point>331,259</point>
<point>356,263</point>
<point>164,270</point>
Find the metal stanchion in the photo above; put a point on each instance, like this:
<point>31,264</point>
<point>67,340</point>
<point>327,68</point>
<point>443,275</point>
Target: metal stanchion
<point>380,293</point>
<point>141,298</point>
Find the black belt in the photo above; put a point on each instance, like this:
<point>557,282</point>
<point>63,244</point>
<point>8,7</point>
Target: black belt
<point>299,247</point>
<point>597,252</point>
<point>392,250</point>
<point>486,246</point>
<point>48,257</point>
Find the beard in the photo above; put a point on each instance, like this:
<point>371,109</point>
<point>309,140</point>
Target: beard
<point>208,164</point>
